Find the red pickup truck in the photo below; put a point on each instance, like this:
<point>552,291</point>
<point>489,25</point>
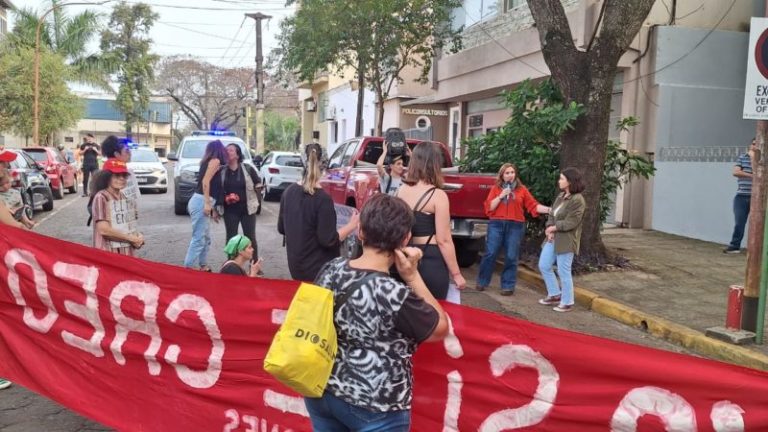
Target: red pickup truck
<point>351,178</point>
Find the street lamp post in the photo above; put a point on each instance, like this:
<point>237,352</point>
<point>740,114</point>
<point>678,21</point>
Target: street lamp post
<point>36,102</point>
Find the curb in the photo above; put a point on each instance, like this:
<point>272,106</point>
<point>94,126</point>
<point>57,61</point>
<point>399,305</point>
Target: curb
<point>657,326</point>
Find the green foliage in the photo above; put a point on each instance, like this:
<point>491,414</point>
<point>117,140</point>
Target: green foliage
<point>59,108</point>
<point>66,35</point>
<point>620,167</point>
<point>280,132</point>
<point>126,42</point>
<point>530,139</point>
<point>381,38</point>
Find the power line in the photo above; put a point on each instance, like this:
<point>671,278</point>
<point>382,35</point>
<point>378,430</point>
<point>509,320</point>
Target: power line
<point>234,38</point>
<point>513,56</point>
<point>275,9</point>
<point>698,44</point>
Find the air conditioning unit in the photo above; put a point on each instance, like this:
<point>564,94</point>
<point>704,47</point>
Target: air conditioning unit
<point>330,113</point>
<point>310,105</point>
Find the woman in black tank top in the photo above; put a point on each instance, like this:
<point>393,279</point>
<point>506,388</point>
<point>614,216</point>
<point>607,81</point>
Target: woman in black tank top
<point>431,229</point>
<point>200,206</point>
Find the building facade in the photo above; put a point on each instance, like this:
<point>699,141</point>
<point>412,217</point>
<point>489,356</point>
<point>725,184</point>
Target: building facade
<point>329,109</point>
<point>682,77</point>
<point>102,118</point>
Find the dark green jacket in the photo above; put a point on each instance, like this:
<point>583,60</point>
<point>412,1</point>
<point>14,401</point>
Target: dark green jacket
<point>568,222</point>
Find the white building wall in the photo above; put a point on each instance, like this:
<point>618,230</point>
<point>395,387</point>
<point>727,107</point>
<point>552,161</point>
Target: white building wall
<point>343,100</point>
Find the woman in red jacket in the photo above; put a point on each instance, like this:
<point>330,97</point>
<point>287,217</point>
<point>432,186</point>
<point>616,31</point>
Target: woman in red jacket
<point>505,206</point>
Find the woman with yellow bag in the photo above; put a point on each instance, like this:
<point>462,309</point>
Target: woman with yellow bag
<point>378,327</point>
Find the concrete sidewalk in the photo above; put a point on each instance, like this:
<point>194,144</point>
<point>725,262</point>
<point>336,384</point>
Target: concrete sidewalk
<point>678,289</point>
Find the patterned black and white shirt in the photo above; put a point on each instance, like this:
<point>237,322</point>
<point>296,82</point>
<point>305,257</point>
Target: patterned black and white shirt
<point>378,329</point>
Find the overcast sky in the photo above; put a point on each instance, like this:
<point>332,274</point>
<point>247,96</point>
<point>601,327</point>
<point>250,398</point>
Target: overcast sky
<point>214,30</point>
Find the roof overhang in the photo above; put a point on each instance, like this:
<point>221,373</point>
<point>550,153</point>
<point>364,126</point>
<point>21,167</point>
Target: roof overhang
<point>7,4</point>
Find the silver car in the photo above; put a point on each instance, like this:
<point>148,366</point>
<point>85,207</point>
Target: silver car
<point>149,170</point>
<point>279,170</point>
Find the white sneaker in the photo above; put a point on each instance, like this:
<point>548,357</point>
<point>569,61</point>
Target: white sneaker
<point>4,384</point>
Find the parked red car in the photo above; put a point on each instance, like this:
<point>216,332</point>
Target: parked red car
<point>62,174</point>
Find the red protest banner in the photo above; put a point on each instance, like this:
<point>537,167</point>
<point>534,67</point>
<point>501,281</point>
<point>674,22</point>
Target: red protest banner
<point>144,346</point>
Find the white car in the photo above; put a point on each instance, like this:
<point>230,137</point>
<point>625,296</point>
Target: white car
<point>149,170</point>
<point>279,170</point>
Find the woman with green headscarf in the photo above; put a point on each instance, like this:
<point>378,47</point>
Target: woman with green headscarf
<point>239,252</point>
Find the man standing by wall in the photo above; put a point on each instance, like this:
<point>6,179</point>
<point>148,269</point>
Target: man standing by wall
<point>743,173</point>
<point>89,154</point>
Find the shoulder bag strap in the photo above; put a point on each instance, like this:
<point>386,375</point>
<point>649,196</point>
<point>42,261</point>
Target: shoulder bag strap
<point>348,293</point>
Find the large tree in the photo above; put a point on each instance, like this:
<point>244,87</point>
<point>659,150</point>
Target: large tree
<point>376,39</point>
<point>210,96</point>
<point>126,42</point>
<point>585,75</point>
<point>66,35</point>
<point>60,108</point>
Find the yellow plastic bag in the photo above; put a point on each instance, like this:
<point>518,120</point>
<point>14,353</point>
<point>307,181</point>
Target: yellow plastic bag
<point>302,353</point>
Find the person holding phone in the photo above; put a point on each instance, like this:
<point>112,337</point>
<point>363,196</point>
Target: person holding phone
<point>89,154</point>
<point>505,206</point>
<point>239,250</point>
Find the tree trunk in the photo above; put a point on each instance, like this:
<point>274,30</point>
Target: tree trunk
<point>587,77</point>
<point>360,98</point>
<point>584,147</point>
<point>128,131</point>
<point>379,112</point>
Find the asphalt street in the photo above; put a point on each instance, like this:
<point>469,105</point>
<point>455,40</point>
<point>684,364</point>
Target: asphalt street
<point>167,237</point>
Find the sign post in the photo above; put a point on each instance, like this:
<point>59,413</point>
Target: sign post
<point>756,108</point>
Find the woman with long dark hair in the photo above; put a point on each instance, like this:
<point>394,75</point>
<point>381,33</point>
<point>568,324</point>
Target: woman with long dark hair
<point>307,219</point>
<point>432,219</point>
<point>505,206</point>
<point>563,234</point>
<point>201,205</point>
<point>239,183</point>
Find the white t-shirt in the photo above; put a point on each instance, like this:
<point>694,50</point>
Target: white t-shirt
<point>392,182</point>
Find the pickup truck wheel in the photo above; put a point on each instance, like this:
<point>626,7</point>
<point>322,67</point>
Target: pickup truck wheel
<point>466,257</point>
<point>58,193</point>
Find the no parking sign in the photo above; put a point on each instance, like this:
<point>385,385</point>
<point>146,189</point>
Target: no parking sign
<point>756,88</point>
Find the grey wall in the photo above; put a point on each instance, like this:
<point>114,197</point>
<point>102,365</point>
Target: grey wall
<point>699,131</point>
<point>695,199</point>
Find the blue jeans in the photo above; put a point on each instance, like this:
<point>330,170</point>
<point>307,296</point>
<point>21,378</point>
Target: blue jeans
<point>740,213</point>
<point>197,253</point>
<point>546,260</point>
<point>501,233</point>
<point>331,414</point>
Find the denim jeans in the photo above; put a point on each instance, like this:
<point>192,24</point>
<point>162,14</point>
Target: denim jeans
<point>331,414</point>
<point>740,213</point>
<point>501,233</point>
<point>197,253</point>
<point>546,260</point>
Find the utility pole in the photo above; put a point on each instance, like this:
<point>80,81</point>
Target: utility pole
<point>258,16</point>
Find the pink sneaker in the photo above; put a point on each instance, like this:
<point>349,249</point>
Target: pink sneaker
<point>548,301</point>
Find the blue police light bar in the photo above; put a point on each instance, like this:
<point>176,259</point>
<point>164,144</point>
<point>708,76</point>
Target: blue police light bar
<point>213,133</point>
